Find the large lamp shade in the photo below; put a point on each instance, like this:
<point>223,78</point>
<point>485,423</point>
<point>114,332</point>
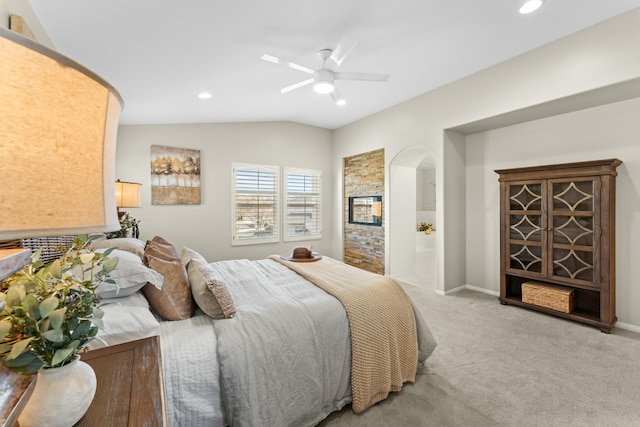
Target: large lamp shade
<point>58,125</point>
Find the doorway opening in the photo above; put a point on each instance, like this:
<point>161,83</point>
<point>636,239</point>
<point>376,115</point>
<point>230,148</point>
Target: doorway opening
<point>412,201</point>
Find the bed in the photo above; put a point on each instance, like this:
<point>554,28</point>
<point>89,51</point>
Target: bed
<point>277,352</point>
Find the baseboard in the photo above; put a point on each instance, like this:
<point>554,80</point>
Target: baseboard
<point>628,327</point>
<point>483,290</point>
<point>469,287</point>
<point>452,291</point>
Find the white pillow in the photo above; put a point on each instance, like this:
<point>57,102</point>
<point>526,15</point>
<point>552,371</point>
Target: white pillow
<point>125,319</point>
<point>130,274</point>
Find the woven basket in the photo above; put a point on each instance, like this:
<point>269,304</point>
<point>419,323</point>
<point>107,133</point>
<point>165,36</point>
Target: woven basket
<point>10,244</point>
<point>52,248</point>
<point>549,296</point>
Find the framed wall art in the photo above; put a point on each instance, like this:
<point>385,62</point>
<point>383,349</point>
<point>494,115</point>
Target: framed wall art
<point>175,176</point>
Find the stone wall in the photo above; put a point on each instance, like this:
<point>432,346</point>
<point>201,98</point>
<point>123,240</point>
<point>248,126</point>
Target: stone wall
<point>364,244</point>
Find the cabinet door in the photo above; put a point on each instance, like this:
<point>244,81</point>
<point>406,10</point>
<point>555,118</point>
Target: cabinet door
<point>526,236</point>
<point>574,218</point>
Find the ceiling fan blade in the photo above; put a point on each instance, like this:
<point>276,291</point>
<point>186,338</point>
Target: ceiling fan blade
<point>296,86</point>
<point>337,97</point>
<point>372,77</point>
<point>290,64</point>
<point>343,49</point>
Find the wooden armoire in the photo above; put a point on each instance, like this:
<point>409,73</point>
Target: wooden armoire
<point>557,230</point>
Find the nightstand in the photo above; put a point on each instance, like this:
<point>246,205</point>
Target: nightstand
<point>130,390</point>
<point>15,390</point>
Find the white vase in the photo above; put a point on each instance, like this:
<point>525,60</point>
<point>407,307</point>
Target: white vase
<point>61,396</point>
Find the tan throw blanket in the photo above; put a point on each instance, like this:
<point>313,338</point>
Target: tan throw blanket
<point>384,343</point>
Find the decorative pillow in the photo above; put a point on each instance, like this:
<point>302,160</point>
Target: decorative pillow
<point>189,254</point>
<point>163,242</point>
<point>130,275</point>
<point>209,291</point>
<point>174,301</point>
<point>129,244</point>
<point>162,245</point>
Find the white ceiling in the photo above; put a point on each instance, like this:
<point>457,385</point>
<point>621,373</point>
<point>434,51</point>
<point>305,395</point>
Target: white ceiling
<point>160,54</point>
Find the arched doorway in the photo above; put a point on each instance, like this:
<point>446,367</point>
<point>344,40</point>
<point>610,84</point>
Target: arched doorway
<point>412,200</point>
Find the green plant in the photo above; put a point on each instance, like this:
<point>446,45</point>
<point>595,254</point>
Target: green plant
<point>423,226</point>
<point>50,311</point>
<point>128,227</point>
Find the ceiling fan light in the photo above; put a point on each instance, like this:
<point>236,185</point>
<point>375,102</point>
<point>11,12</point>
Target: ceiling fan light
<point>323,87</point>
<point>323,81</point>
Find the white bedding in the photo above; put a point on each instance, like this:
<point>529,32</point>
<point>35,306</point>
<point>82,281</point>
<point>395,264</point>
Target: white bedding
<point>289,341</point>
<point>283,360</point>
<point>190,372</point>
<point>284,357</point>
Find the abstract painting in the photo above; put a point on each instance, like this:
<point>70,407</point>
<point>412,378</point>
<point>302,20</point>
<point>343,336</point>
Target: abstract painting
<point>175,176</point>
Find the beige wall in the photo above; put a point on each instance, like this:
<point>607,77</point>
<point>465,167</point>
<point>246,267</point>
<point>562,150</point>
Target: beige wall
<point>207,227</point>
<point>595,66</point>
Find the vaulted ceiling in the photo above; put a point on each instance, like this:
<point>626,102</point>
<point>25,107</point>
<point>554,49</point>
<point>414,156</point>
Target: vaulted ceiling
<point>161,54</point>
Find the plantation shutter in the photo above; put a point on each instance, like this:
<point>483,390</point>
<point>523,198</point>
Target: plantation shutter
<point>255,206</point>
<point>303,204</point>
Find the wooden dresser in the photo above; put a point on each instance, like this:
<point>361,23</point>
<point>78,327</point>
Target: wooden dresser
<point>557,228</point>
<point>15,390</point>
<point>130,391</point>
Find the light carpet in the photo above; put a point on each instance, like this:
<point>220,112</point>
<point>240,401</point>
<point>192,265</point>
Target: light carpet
<point>501,365</point>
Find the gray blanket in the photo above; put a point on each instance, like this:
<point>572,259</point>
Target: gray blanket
<point>285,358</point>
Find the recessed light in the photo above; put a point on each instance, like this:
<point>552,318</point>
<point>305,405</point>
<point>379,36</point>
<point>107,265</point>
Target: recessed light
<point>204,95</point>
<point>531,6</point>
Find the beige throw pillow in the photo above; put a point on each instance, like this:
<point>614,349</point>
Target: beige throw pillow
<point>129,244</point>
<point>189,254</point>
<point>209,291</point>
<point>162,249</point>
<point>174,301</point>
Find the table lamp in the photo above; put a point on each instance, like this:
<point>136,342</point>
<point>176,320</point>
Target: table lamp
<point>58,126</point>
<point>127,196</point>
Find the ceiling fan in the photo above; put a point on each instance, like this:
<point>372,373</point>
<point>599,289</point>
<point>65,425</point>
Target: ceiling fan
<point>324,78</point>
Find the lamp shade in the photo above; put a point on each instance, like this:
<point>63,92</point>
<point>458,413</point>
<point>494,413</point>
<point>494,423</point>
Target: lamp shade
<point>128,194</point>
<point>58,126</point>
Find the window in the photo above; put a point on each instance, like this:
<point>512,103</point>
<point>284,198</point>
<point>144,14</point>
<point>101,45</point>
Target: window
<point>303,204</point>
<point>255,204</point>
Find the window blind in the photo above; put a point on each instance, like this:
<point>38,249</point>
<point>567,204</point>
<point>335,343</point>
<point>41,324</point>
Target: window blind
<point>303,204</point>
<point>255,205</point>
